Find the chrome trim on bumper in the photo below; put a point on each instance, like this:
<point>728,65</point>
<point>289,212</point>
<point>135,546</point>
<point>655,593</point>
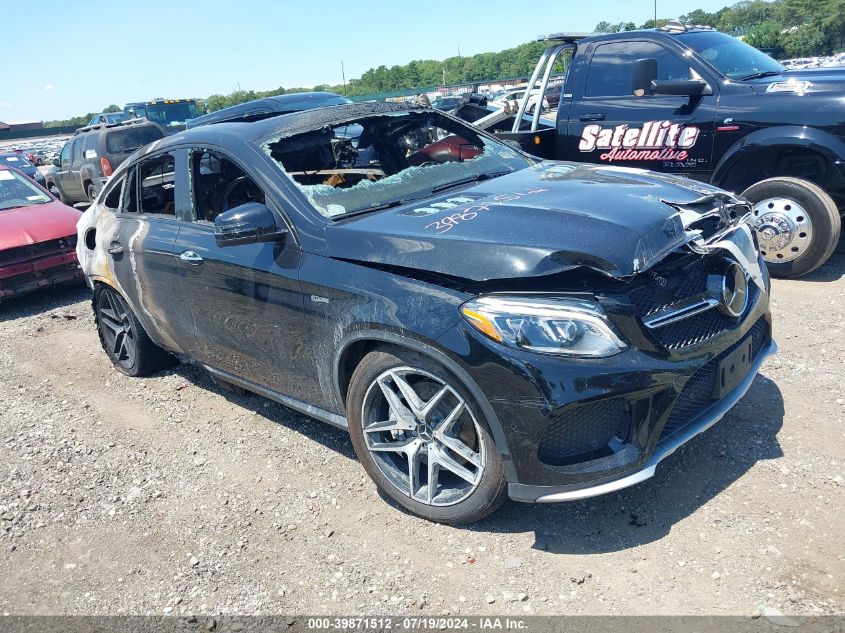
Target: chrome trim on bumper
<point>667,446</point>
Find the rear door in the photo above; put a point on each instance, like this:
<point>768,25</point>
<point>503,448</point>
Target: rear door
<point>608,124</point>
<point>142,249</point>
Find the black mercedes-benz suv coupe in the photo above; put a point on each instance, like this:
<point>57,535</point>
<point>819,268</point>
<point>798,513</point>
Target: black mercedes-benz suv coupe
<point>483,323</point>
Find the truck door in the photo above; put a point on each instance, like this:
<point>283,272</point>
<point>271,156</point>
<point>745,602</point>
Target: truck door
<point>609,124</point>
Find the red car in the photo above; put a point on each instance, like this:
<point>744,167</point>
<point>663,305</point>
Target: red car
<point>37,237</point>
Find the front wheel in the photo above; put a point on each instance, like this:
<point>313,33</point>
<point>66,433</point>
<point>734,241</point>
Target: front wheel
<point>797,225</point>
<point>422,438</point>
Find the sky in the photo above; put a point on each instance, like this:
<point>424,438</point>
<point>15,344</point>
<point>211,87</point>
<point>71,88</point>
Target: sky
<point>79,56</point>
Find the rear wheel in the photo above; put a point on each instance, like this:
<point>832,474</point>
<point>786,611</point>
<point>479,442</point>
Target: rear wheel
<point>797,224</point>
<point>422,438</point>
<point>93,192</point>
<point>124,339</point>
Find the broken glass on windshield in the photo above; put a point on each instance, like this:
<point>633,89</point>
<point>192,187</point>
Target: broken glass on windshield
<point>384,160</point>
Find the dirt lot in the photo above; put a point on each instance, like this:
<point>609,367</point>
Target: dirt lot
<point>163,495</point>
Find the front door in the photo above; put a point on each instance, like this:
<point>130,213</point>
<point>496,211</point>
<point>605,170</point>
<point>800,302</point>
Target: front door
<point>245,299</point>
<point>609,124</point>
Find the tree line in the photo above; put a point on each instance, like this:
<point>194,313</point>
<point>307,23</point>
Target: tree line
<point>783,28</point>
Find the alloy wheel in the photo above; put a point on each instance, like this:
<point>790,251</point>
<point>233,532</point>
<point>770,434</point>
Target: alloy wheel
<point>423,437</point>
<point>116,328</point>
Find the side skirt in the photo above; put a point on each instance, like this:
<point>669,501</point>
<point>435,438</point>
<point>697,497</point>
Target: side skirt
<point>297,405</point>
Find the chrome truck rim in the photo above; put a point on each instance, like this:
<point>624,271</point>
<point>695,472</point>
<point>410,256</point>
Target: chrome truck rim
<point>423,437</point>
<point>784,229</point>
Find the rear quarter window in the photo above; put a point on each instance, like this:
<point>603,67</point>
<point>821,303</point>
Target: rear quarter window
<point>130,139</point>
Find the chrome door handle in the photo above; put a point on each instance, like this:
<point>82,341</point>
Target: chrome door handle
<point>592,116</point>
<point>191,257</point>
<point>115,248</point>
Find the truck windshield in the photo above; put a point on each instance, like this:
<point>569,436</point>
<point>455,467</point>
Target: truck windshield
<point>384,160</point>
<point>172,113</point>
<point>731,57</point>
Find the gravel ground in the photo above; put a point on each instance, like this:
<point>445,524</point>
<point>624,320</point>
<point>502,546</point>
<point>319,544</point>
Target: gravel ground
<point>165,495</point>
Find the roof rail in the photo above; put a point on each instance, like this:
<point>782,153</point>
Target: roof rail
<point>103,126</point>
<point>563,37</point>
<point>676,26</point>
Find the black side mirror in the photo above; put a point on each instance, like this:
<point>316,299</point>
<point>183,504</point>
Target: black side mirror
<point>643,73</point>
<point>248,223</point>
<point>681,87</point>
<point>57,162</point>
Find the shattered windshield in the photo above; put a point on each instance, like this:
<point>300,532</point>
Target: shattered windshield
<point>383,160</point>
<point>18,191</point>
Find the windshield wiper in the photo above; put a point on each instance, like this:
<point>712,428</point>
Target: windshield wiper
<point>378,207</point>
<point>760,75</point>
<point>469,181</point>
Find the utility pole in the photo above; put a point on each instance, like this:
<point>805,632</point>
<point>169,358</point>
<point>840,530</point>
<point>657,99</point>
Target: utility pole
<point>655,13</point>
<point>343,73</point>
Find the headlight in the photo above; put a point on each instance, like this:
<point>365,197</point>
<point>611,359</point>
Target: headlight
<point>567,327</point>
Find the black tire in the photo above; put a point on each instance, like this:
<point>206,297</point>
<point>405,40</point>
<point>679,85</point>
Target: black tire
<point>821,212</point>
<point>488,493</point>
<point>55,191</point>
<point>111,311</point>
<point>92,192</point>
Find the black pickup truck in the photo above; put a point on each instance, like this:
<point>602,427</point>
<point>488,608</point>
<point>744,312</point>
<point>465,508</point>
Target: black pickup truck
<point>694,101</point>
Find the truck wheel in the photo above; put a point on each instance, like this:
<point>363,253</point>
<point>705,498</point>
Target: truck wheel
<point>92,193</point>
<point>123,337</point>
<point>422,438</point>
<point>797,225</point>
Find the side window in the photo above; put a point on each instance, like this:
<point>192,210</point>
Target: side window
<point>91,146</point>
<point>611,66</point>
<point>65,155</point>
<point>77,151</point>
<point>158,185</point>
<point>219,184</point>
<point>112,199</point>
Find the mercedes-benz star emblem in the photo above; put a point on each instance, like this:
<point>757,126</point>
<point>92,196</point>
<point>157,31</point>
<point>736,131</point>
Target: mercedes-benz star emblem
<point>424,432</point>
<point>734,291</point>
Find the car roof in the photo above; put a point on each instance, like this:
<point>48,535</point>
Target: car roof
<point>267,106</point>
<point>285,124</point>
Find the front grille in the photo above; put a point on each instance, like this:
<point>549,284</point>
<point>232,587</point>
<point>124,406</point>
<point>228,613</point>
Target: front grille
<point>702,326</point>
<point>37,250</point>
<point>582,431</point>
<point>687,281</point>
<point>697,395</point>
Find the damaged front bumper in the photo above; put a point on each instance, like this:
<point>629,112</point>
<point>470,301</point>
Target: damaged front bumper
<point>572,428</point>
<point>664,448</point>
<point>31,268</point>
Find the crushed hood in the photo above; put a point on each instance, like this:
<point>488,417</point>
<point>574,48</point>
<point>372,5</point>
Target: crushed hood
<point>36,223</point>
<point>538,221</point>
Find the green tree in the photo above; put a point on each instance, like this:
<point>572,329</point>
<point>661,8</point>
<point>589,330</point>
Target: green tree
<point>766,36</point>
